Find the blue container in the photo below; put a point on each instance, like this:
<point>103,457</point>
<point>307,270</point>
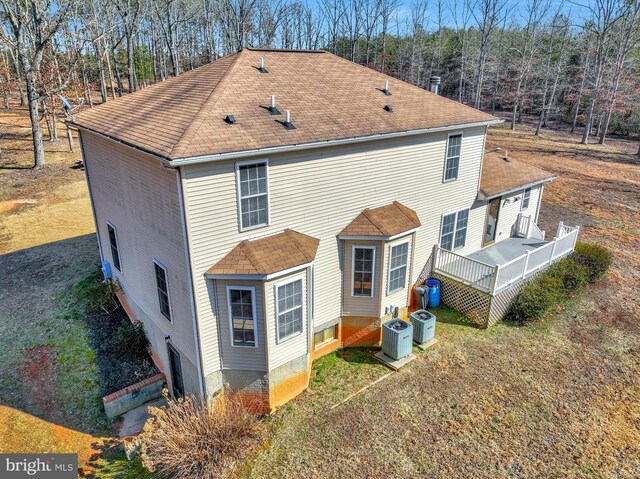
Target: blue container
<point>434,292</point>
<point>106,270</point>
<point>397,338</point>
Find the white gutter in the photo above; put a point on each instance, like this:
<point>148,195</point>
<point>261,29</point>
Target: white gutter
<point>483,197</point>
<point>377,238</point>
<point>192,160</point>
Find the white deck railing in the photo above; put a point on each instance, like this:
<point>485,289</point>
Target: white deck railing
<point>493,279</point>
<point>527,228</point>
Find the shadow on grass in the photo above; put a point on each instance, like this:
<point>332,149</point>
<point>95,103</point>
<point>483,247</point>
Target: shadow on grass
<point>359,354</point>
<point>110,462</point>
<point>445,314</point>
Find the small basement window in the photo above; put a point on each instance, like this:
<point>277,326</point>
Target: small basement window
<point>325,336</point>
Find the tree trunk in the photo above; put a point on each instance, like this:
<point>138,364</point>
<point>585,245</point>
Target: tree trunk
<point>36,131</point>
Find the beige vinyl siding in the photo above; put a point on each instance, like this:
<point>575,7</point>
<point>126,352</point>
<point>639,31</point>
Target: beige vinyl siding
<point>397,298</point>
<point>140,198</point>
<point>319,192</point>
<point>295,346</point>
<point>509,212</point>
<point>362,305</point>
<point>241,357</point>
<point>532,210</point>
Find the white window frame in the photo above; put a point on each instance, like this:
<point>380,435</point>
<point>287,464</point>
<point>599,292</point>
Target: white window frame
<point>253,312</point>
<point>239,164</point>
<point>353,270</point>
<point>528,198</point>
<point>446,157</point>
<point>406,266</point>
<point>301,278</point>
<point>166,280</point>
<point>115,232</point>
<point>455,228</point>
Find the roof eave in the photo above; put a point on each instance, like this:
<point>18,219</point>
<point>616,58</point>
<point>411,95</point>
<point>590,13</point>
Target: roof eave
<point>192,160</point>
<point>484,197</point>
<point>377,238</point>
<point>258,277</point>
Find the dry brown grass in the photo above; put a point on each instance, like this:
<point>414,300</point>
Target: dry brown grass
<point>193,439</point>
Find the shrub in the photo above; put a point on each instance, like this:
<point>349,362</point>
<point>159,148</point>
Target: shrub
<point>573,275</point>
<point>102,296</point>
<point>597,259</point>
<point>536,298</point>
<point>190,438</point>
<point>130,339</point>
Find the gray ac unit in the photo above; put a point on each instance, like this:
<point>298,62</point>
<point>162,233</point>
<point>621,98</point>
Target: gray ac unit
<point>397,338</point>
<point>424,326</point>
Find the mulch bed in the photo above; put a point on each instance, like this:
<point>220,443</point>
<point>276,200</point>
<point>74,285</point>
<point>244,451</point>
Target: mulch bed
<point>118,369</point>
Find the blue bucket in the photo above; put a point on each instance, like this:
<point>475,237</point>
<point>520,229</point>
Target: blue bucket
<point>434,292</point>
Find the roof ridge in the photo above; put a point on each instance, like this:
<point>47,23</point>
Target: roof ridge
<point>216,91</point>
<point>244,246</point>
<point>288,232</point>
<point>375,225</point>
<point>402,207</point>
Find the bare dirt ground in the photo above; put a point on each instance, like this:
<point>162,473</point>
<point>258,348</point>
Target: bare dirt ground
<point>557,399</point>
<point>48,387</point>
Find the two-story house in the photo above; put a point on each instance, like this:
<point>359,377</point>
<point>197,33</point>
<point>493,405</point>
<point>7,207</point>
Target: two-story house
<point>265,209</point>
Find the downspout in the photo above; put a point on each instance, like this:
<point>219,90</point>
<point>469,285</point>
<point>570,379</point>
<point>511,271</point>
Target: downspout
<point>93,208</point>
<point>187,252</point>
<point>539,203</point>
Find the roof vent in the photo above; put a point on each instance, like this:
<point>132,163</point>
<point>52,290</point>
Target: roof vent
<point>385,90</point>
<point>272,108</point>
<point>230,119</point>
<point>287,121</point>
<point>434,84</point>
<point>388,108</point>
<point>262,69</point>
<point>506,156</point>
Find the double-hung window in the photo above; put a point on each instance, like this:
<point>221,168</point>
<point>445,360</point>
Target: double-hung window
<point>253,194</point>
<point>363,269</point>
<point>453,233</point>
<point>162,285</point>
<point>113,243</point>
<point>526,197</point>
<point>452,161</point>
<point>398,258</point>
<point>242,314</point>
<point>289,309</point>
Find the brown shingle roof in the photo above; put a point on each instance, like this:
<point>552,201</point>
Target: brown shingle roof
<point>329,98</point>
<point>500,176</point>
<point>268,255</point>
<point>384,221</point>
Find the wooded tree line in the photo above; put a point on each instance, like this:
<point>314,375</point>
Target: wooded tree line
<point>578,62</point>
